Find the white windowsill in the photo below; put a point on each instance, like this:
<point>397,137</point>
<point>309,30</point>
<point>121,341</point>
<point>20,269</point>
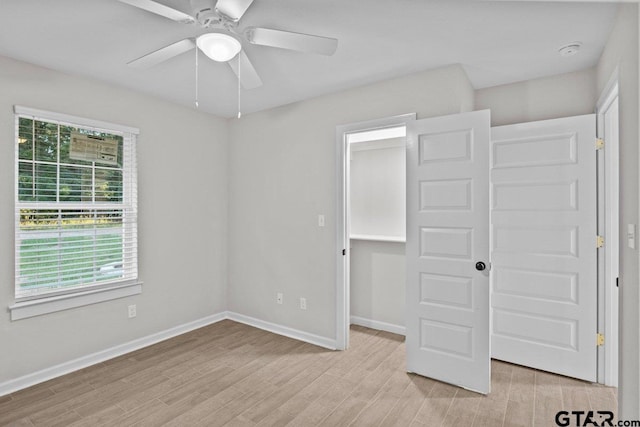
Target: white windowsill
<point>379,238</point>
<point>26,309</point>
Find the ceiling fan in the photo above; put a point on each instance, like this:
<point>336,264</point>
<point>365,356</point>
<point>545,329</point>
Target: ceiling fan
<point>222,37</point>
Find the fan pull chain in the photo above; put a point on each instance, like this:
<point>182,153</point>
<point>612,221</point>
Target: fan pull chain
<point>239,104</point>
<point>197,77</point>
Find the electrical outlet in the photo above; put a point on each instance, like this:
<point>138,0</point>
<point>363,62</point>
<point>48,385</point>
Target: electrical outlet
<point>279,297</point>
<point>320,220</point>
<point>303,303</point>
<point>132,311</point>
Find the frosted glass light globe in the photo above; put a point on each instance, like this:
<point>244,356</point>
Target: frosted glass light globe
<point>218,46</point>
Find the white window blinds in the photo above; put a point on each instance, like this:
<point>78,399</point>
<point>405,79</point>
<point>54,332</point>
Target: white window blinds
<point>75,205</point>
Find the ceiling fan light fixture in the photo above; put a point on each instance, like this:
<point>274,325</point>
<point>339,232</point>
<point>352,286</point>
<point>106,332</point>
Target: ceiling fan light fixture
<point>220,47</point>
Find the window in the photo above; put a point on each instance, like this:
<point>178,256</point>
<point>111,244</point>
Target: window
<point>75,206</point>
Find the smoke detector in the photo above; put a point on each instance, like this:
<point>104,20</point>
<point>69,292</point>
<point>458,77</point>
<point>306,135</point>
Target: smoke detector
<point>570,49</point>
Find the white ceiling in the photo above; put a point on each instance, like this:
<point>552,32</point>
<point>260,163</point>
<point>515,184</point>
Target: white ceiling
<point>496,42</point>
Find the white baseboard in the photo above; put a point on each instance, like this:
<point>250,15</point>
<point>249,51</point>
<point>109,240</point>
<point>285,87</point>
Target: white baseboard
<point>376,324</point>
<point>46,374</point>
<point>283,330</point>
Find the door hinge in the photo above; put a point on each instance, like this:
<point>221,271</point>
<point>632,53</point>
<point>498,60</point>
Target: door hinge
<point>344,252</point>
<point>599,242</point>
<point>599,143</point>
<point>599,340</point>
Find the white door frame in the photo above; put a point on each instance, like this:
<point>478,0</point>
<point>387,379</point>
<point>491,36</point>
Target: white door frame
<point>343,254</point>
<point>608,225</point>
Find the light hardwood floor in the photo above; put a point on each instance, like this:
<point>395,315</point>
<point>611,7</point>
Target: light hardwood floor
<point>235,375</point>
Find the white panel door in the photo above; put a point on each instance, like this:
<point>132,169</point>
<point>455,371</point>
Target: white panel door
<point>543,245</point>
<point>447,329</point>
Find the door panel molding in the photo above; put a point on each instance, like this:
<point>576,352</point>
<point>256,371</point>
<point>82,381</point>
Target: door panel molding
<point>447,233</point>
<point>544,255</point>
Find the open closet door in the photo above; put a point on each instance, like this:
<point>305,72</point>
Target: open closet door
<point>544,242</point>
<point>447,325</point>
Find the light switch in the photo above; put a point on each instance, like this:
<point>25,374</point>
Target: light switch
<point>631,236</point>
<point>320,220</point>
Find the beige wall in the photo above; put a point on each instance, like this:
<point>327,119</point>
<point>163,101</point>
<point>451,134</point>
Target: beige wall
<point>563,95</point>
<point>182,217</point>
<point>282,171</point>
<point>378,281</point>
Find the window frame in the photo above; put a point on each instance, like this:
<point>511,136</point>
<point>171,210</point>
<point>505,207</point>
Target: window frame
<point>84,294</point>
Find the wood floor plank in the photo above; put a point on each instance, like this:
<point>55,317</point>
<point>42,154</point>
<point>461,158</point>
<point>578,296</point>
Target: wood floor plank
<point>548,398</point>
<point>574,395</point>
<point>435,407</point>
<point>491,412</point>
<point>238,422</point>
<point>58,420</point>
<point>309,394</point>
<point>463,409</point>
<point>373,382</point>
<point>522,385</point>
<point>602,398</point>
<point>337,393</point>
<point>234,375</point>
<point>193,413</point>
<point>196,385</point>
<point>140,414</point>
<point>294,366</point>
<point>35,393</point>
<point>352,359</point>
<point>195,405</point>
<point>326,403</point>
<point>388,396</point>
<point>46,415</point>
<point>310,416</point>
<point>61,402</point>
<point>233,408</point>
<point>105,416</point>
<point>520,406</point>
<point>159,390</point>
<point>276,418</point>
<point>413,396</point>
<point>345,413</point>
<point>259,411</point>
<point>22,422</point>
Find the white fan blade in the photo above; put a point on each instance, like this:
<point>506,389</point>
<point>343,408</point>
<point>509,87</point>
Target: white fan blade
<point>160,9</point>
<point>249,77</point>
<point>290,40</point>
<point>161,55</point>
<point>233,9</point>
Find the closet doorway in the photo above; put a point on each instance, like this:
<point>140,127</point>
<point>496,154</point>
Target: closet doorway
<point>373,230</point>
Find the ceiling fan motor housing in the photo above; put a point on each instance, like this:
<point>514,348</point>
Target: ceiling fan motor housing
<point>205,12</point>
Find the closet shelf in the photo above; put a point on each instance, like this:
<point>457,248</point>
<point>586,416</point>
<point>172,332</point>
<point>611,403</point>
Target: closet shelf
<point>378,238</point>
